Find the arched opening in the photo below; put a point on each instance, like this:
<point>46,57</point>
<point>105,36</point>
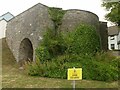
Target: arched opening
<point>25,51</point>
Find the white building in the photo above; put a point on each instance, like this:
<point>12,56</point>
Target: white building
<point>113,38</point>
<point>3,23</point>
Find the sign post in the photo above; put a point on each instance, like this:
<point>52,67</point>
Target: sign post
<point>74,74</point>
<point>74,80</point>
<point>73,84</point>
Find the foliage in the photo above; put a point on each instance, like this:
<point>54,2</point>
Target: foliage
<point>54,44</point>
<point>83,39</point>
<point>56,15</point>
<point>42,53</point>
<point>58,52</point>
<point>36,68</point>
<point>113,15</point>
<point>92,69</point>
<point>19,78</point>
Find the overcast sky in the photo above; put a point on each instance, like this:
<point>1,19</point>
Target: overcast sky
<point>17,6</point>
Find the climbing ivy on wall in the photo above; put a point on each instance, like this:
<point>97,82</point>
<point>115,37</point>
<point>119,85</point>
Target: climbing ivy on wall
<point>56,16</point>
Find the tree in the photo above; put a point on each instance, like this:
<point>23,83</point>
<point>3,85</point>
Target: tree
<point>114,14</point>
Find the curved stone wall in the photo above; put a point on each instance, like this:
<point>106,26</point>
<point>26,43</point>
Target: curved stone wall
<point>74,17</point>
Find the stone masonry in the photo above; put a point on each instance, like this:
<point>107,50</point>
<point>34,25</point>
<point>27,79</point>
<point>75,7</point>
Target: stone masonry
<point>25,31</point>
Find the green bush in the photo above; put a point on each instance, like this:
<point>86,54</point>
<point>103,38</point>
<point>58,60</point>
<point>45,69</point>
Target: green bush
<point>83,39</point>
<point>100,71</point>
<point>36,68</point>
<point>56,15</point>
<point>92,69</point>
<point>79,48</point>
<point>42,53</point>
<point>54,43</point>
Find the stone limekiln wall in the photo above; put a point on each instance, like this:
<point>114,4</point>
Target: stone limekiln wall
<point>25,31</point>
<point>29,25</point>
<point>75,17</point>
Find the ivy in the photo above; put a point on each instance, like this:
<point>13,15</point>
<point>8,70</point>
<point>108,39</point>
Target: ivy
<point>56,16</point>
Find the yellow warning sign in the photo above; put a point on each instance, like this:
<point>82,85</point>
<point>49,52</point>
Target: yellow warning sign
<point>75,74</point>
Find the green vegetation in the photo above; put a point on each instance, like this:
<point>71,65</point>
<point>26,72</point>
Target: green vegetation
<point>83,40</point>
<point>114,8</point>
<point>12,77</point>
<point>93,68</point>
<point>79,48</point>
<point>56,54</point>
<point>56,15</point>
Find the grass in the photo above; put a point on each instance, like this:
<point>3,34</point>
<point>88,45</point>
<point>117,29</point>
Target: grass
<point>12,77</point>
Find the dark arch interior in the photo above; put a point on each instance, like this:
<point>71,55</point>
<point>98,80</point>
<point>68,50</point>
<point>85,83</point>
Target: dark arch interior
<point>26,50</point>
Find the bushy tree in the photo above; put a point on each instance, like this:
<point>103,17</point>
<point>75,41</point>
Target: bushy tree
<point>114,14</point>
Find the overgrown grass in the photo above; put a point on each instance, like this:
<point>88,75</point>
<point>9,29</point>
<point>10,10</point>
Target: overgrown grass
<point>12,77</point>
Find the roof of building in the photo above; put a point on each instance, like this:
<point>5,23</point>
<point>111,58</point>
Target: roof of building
<point>113,30</point>
<point>7,16</point>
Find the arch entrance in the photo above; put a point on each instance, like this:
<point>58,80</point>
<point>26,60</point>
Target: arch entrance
<point>25,50</point>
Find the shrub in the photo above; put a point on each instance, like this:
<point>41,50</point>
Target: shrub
<point>42,53</point>
<point>80,48</point>
<point>56,15</point>
<point>36,68</point>
<point>54,43</point>
<point>100,71</point>
<point>92,69</point>
<point>83,39</point>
